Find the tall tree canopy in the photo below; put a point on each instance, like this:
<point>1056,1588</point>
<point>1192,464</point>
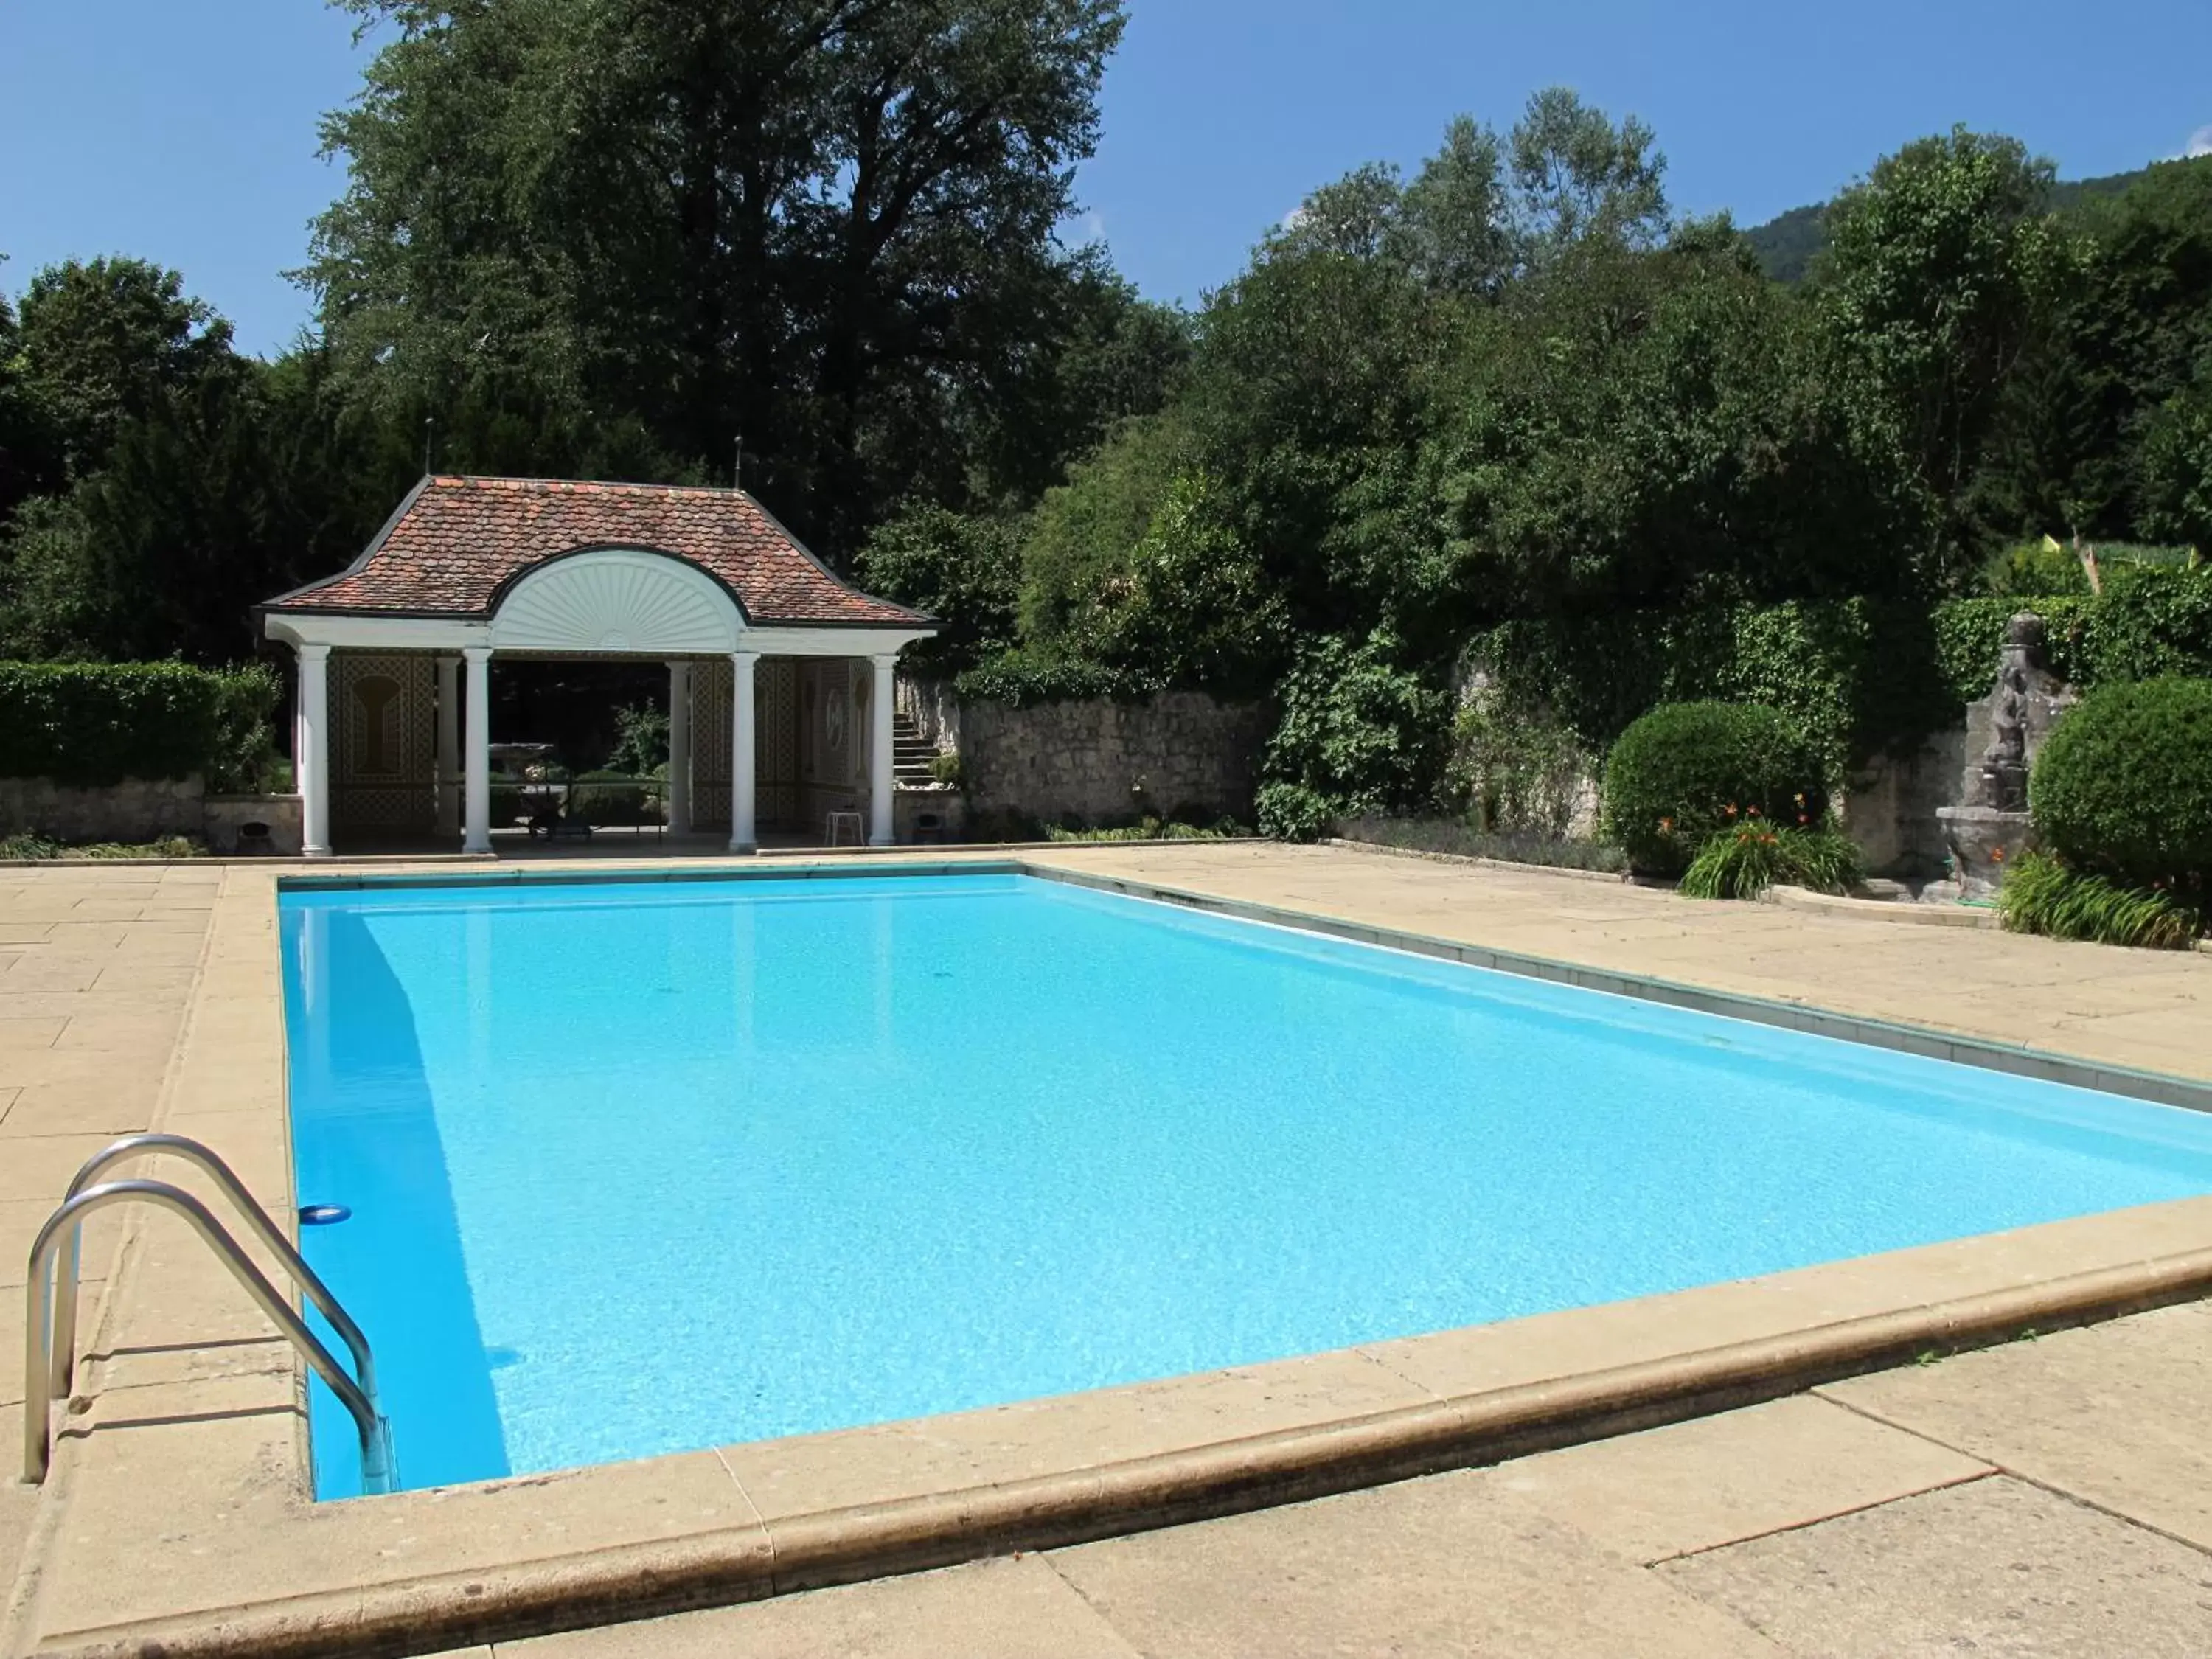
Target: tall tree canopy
<point>827,225</point>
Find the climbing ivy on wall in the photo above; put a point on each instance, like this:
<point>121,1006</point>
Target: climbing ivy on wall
<point>1861,676</point>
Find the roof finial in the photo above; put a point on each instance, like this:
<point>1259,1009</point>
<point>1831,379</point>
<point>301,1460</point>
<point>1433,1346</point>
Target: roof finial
<point>737,464</point>
<point>430,425</point>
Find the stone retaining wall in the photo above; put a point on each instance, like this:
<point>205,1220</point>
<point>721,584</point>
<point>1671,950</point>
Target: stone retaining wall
<point>146,809</point>
<point>1180,754</point>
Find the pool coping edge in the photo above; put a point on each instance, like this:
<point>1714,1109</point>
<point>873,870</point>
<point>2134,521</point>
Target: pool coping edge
<point>728,1566</point>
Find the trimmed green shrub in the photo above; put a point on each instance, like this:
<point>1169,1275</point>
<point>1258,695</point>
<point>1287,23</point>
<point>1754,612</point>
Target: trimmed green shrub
<point>1686,771</point>
<point>2041,896</point>
<point>1743,861</point>
<point>92,724</point>
<point>2152,623</point>
<point>2124,785</point>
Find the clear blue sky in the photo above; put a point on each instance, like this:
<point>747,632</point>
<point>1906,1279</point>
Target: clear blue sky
<point>184,130</point>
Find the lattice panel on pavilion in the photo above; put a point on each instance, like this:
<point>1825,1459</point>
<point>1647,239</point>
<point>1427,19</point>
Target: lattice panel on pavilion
<point>776,743</point>
<point>383,735</point>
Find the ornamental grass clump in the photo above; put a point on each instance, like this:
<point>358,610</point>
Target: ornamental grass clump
<point>1686,772</point>
<point>2041,896</point>
<point>1743,861</point>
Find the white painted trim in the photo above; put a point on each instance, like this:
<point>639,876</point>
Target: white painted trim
<point>475,792</point>
<point>743,785</point>
<point>617,601</point>
<point>358,633</point>
<point>377,633</point>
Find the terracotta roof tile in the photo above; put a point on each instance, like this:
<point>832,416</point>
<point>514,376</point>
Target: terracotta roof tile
<point>457,540</point>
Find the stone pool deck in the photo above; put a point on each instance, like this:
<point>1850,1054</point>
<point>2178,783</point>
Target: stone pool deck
<point>133,995</point>
<point>2051,1497</point>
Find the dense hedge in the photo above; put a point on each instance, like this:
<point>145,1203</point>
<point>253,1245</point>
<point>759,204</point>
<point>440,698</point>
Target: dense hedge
<point>2124,784</point>
<point>1861,676</point>
<point>98,723</point>
<point>1683,772</point>
<point>1969,638</point>
<point>1019,680</point>
<point>1857,675</point>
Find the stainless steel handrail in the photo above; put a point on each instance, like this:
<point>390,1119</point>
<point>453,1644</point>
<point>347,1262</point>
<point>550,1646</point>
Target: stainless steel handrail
<point>38,1368</point>
<point>65,1304</point>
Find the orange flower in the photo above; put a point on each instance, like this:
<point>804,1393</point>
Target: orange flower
<point>1666,826</point>
<point>1996,855</point>
<point>1729,809</point>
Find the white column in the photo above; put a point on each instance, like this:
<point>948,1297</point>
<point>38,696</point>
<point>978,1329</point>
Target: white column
<point>476,755</point>
<point>449,745</point>
<point>879,753</point>
<point>311,751</point>
<point>742,839</point>
<point>679,749</point>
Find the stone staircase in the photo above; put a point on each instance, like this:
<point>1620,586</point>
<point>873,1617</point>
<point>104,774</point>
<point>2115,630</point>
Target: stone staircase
<point>911,753</point>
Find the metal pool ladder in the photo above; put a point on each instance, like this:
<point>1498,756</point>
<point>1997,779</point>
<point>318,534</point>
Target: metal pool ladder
<point>49,1307</point>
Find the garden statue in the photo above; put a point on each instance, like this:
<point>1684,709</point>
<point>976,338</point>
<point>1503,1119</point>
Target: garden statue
<point>1991,824</point>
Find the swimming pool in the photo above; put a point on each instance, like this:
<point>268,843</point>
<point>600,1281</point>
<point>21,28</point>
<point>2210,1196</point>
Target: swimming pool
<point>645,1167</point>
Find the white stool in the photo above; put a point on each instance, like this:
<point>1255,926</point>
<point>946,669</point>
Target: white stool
<point>833,828</point>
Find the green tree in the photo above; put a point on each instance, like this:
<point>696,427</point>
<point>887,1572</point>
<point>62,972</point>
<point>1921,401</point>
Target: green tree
<point>1086,529</point>
<point>2174,481</point>
<point>1188,604</point>
<point>962,568</point>
<point>825,224</point>
<point>1943,270</point>
<point>101,340</point>
<point>1579,176</point>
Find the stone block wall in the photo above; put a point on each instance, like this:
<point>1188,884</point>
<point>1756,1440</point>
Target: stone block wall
<point>1180,753</point>
<point>223,819</point>
<point>136,809</point>
<point>1889,808</point>
<point>146,809</point>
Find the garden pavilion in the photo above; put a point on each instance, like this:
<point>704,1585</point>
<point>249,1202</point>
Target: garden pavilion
<point>781,675</point>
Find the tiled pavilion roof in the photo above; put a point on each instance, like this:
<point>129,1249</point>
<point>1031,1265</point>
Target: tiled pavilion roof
<point>456,543</point>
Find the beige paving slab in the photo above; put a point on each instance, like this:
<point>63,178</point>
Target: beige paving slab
<point>138,1496</point>
<point>33,1032</point>
<point>2120,1413</point>
<point>39,1166</point>
<point>116,1103</point>
<point>1995,1568</point>
<point>1718,1481</point>
<point>70,1004</point>
<point>34,972</point>
<point>133,1029</point>
<point>1009,1609</point>
<point>1446,1565</point>
<point>158,979</point>
<point>90,1068</point>
<point>17,1501</point>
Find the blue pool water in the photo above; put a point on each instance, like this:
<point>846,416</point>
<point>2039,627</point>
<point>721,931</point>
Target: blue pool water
<point>638,1168</point>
